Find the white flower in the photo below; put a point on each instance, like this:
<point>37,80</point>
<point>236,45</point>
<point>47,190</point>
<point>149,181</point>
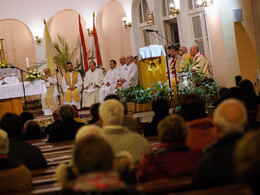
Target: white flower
<point>40,71</point>
<point>43,74</point>
<point>31,76</point>
<point>30,71</point>
<point>38,76</point>
<point>34,72</point>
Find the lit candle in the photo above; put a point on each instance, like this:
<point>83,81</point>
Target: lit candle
<point>27,62</point>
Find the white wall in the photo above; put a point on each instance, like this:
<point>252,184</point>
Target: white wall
<point>32,12</point>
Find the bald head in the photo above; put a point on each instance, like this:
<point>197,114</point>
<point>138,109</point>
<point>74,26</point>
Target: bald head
<point>194,50</point>
<point>230,116</point>
<point>47,72</point>
<point>182,50</point>
<point>122,60</point>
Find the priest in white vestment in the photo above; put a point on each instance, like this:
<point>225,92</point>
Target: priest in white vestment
<point>128,73</point>
<point>72,86</point>
<point>110,81</point>
<point>92,82</point>
<point>49,100</point>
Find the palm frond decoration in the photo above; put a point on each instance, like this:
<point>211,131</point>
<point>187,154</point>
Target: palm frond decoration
<point>66,52</point>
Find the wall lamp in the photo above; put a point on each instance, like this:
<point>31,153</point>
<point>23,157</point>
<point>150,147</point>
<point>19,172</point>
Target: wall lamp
<point>90,32</point>
<point>173,10</point>
<point>205,3</point>
<point>125,23</point>
<point>150,19</point>
<point>38,40</point>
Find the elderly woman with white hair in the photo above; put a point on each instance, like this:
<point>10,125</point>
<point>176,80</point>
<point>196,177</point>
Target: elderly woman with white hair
<point>13,175</point>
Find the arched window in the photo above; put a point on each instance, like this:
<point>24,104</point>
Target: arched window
<point>143,11</point>
<point>170,22</point>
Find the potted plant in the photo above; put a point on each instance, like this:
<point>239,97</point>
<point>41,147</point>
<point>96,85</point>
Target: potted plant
<point>128,96</point>
<point>143,100</point>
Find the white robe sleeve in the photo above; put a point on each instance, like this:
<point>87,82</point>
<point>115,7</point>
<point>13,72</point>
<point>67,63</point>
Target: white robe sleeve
<point>86,82</point>
<point>79,84</point>
<point>100,78</point>
<point>133,76</point>
<point>52,80</point>
<point>64,85</point>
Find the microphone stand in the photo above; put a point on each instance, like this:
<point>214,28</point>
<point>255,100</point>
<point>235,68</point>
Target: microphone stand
<point>175,75</point>
<point>22,71</point>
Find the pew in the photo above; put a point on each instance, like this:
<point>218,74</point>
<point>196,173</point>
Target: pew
<point>238,189</point>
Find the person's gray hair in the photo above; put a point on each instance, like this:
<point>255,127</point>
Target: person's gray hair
<point>4,142</point>
<point>88,130</point>
<point>31,124</point>
<point>230,116</point>
<point>66,112</point>
<point>173,128</point>
<point>111,112</point>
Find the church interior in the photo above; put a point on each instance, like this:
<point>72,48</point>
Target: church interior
<point>40,35</point>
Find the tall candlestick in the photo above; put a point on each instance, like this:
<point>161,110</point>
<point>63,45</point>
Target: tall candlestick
<point>27,62</point>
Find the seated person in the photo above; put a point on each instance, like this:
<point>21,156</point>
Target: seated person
<point>57,121</point>
<point>221,94</point>
<point>20,150</point>
<point>217,167</point>
<point>68,128</point>
<point>13,175</point>
<point>161,110</point>
<point>94,113</point>
<point>32,131</point>
<point>111,114</point>
<point>247,160</point>
<point>173,158</point>
<point>202,131</point>
<point>128,122</point>
<point>25,116</point>
<point>93,168</point>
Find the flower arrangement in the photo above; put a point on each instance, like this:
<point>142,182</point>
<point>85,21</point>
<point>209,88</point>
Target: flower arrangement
<point>3,65</point>
<point>35,75</point>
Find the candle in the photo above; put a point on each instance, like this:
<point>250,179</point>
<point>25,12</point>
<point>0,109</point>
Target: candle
<point>27,62</point>
<point>0,34</point>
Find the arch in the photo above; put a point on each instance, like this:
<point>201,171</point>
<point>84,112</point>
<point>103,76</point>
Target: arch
<point>18,43</point>
<point>65,23</point>
<point>115,39</point>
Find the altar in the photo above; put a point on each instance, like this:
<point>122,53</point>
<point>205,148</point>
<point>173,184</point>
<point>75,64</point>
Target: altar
<point>11,95</point>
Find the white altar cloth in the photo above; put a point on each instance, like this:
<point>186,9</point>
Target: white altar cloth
<point>16,89</point>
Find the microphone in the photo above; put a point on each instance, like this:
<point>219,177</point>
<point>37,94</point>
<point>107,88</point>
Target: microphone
<point>150,30</point>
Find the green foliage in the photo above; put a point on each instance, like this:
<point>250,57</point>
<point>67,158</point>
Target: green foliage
<point>161,91</point>
<point>200,84</point>
<point>140,96</point>
<point>66,52</point>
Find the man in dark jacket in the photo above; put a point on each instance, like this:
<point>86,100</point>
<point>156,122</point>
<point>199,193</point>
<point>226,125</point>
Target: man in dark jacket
<point>20,150</point>
<point>68,128</point>
<point>216,167</point>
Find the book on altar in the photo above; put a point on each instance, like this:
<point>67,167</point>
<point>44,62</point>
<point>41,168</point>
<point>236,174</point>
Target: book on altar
<point>9,79</point>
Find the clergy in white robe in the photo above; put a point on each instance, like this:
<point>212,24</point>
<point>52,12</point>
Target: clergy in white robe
<point>92,82</point>
<point>128,73</point>
<point>49,100</point>
<point>110,81</point>
<point>72,86</point>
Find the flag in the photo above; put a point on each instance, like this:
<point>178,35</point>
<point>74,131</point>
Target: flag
<point>96,48</point>
<point>83,50</point>
<point>50,54</point>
